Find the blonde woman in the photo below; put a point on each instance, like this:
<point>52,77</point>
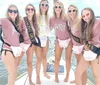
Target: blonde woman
<point>43,24</point>
<point>91,40</point>
<point>11,47</point>
<point>75,32</point>
<point>58,22</point>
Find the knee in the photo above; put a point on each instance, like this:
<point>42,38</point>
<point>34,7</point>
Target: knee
<point>29,62</point>
<point>68,58</point>
<point>12,71</point>
<point>44,58</point>
<point>57,60</point>
<point>78,73</point>
<point>39,59</point>
<point>97,78</point>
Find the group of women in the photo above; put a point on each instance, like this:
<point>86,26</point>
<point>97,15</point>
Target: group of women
<point>73,33</point>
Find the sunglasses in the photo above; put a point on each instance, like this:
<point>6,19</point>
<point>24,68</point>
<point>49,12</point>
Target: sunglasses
<point>29,9</point>
<point>10,11</point>
<point>58,7</point>
<point>71,11</point>
<point>83,16</point>
<point>46,5</point>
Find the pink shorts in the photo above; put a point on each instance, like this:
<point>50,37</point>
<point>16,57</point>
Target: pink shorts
<point>24,46</point>
<point>78,49</point>
<point>64,43</point>
<point>89,55</point>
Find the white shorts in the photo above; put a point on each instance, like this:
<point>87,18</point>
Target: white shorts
<point>43,40</point>
<point>18,50</point>
<point>78,49</point>
<point>89,55</point>
<point>24,46</point>
<point>64,43</point>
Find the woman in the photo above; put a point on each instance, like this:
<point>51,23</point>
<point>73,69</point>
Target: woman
<point>43,24</point>
<point>74,26</point>
<point>91,40</point>
<point>30,24</point>
<point>11,47</point>
<point>58,22</point>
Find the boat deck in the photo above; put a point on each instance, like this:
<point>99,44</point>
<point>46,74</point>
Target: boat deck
<point>23,79</point>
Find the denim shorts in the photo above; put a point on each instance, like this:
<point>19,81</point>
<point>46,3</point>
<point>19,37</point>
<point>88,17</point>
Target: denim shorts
<point>95,50</point>
<point>37,43</point>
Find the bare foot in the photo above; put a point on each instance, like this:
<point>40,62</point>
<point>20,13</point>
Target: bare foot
<point>38,81</point>
<point>31,83</point>
<point>47,76</point>
<point>56,80</point>
<point>73,81</point>
<point>66,80</point>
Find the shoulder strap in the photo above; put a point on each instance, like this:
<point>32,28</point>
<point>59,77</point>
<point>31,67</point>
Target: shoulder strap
<point>14,26</point>
<point>29,28</point>
<point>2,38</point>
<point>77,39</point>
<point>0,32</point>
<point>21,38</point>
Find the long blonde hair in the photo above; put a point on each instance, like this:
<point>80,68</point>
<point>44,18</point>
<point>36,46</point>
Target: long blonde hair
<point>18,18</point>
<point>46,14</point>
<point>62,15</point>
<point>76,22</point>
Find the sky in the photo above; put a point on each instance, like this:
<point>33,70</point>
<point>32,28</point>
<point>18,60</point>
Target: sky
<point>21,4</point>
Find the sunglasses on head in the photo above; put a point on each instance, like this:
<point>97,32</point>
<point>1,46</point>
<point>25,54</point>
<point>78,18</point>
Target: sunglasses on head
<point>46,5</point>
<point>58,7</point>
<point>71,11</point>
<point>10,11</point>
<point>28,9</point>
<point>83,16</point>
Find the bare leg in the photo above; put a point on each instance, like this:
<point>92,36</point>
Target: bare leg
<point>38,51</point>
<point>81,68</point>
<point>84,76</point>
<point>68,61</point>
<point>44,60</point>
<point>96,70</point>
<point>20,58</point>
<point>29,63</point>
<point>10,63</point>
<point>78,57</point>
<point>58,52</point>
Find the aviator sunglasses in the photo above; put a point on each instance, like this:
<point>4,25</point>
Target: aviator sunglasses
<point>83,16</point>
<point>10,11</point>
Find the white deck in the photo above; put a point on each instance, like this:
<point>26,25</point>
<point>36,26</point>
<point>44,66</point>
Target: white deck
<point>45,81</point>
<point>23,79</point>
